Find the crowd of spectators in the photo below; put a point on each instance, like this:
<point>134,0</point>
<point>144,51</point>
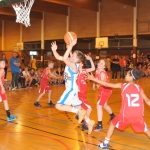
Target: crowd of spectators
<point>26,76</point>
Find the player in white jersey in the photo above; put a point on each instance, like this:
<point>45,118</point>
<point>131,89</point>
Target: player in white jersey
<point>69,101</point>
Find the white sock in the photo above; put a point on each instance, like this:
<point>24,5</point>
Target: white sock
<point>87,120</point>
<point>74,110</point>
<point>106,140</point>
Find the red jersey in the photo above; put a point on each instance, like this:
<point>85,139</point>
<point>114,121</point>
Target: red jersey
<point>98,76</point>
<point>45,74</point>
<point>81,81</point>
<point>132,102</point>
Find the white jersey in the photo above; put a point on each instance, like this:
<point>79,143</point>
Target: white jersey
<point>70,78</point>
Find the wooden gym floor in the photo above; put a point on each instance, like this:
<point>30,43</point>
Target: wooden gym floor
<point>49,129</point>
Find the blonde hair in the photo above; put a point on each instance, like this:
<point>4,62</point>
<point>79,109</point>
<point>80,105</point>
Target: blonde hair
<point>104,62</point>
<point>50,62</point>
<point>80,55</point>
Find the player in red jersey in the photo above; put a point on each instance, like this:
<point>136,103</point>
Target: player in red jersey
<point>44,86</point>
<point>81,81</point>
<point>3,96</point>
<point>131,112</point>
<point>104,94</point>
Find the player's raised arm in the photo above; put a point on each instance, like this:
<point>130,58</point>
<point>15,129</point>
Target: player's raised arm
<point>54,50</point>
<point>92,64</point>
<point>117,85</point>
<point>66,55</point>
<point>147,101</point>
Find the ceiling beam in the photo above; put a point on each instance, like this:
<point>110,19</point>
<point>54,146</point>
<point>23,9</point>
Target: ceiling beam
<point>43,6</point>
<point>126,2</point>
<point>10,11</point>
<point>85,4</point>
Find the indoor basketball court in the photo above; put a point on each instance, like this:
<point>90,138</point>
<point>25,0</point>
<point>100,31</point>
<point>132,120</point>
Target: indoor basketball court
<point>103,27</point>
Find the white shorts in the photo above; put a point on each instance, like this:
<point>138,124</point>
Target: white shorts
<point>70,97</point>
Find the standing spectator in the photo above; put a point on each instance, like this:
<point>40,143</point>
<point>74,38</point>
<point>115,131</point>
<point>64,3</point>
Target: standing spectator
<point>122,64</point>
<point>14,64</point>
<point>6,64</point>
<point>115,67</point>
<point>88,63</point>
<point>108,63</point>
<point>34,63</point>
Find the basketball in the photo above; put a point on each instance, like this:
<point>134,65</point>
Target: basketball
<point>69,37</point>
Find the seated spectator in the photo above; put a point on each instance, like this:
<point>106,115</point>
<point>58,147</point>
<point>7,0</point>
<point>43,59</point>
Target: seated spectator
<point>38,74</point>
<point>33,77</point>
<point>21,79</point>
<point>148,69</point>
<point>28,78</point>
<point>139,66</point>
<point>59,73</point>
<point>130,66</point>
<point>144,68</point>
<point>53,81</point>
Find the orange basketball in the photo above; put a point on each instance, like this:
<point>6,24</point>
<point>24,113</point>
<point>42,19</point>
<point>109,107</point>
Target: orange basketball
<point>69,37</point>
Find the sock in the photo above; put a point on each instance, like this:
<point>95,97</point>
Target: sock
<point>106,141</point>
<point>100,122</point>
<point>87,120</point>
<point>112,115</point>
<point>8,113</point>
<point>74,110</point>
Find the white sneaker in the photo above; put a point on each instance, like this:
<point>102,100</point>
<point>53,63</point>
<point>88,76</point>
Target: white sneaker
<point>13,89</point>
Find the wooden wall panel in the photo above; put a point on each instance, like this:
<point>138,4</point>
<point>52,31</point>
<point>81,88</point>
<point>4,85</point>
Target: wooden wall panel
<point>83,22</point>
<point>55,26</point>
<point>33,32</point>
<point>143,43</point>
<point>115,18</point>
<point>143,10</point>
<point>11,34</point>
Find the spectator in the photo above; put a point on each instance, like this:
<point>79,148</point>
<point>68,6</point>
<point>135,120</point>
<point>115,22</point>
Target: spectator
<point>28,78</point>
<point>33,76</point>
<point>108,63</point>
<point>14,64</point>
<point>148,69</point>
<point>148,56</point>
<point>34,63</point>
<point>6,64</point>
<point>122,64</point>
<point>21,79</point>
<point>88,63</point>
<point>115,67</point>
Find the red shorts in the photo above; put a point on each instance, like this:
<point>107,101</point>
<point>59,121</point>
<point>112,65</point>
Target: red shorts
<point>82,97</point>
<point>104,94</point>
<point>3,97</point>
<point>138,124</point>
<point>44,86</point>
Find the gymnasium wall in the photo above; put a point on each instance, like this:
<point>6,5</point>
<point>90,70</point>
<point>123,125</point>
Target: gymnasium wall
<point>11,34</point>
<point>55,26</point>
<point>83,22</point>
<point>114,18</point>
<point>32,33</point>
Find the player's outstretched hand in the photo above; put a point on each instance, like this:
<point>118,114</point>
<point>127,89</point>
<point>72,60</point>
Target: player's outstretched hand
<point>90,76</point>
<point>53,46</point>
<point>87,57</point>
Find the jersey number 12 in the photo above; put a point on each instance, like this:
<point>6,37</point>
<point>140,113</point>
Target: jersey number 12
<point>133,102</point>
